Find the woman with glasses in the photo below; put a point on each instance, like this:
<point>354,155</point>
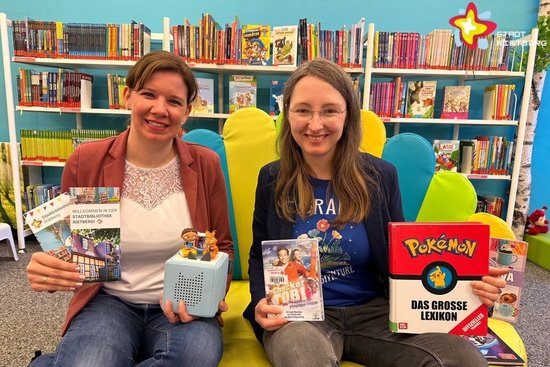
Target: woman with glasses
<point>322,183</point>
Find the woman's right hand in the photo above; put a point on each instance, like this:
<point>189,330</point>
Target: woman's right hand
<point>48,273</point>
<point>261,312</point>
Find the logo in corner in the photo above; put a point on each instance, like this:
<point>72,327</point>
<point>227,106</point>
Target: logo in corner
<point>471,28</point>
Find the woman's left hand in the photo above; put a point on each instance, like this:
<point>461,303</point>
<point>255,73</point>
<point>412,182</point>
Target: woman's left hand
<point>489,287</point>
<point>182,315</point>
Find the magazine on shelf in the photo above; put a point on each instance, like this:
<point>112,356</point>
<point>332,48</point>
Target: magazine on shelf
<point>292,277</point>
<point>431,268</point>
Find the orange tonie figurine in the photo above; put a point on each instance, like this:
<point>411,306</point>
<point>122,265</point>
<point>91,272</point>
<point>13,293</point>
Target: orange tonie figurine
<point>210,246</point>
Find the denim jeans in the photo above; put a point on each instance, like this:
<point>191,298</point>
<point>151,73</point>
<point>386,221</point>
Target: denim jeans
<point>111,332</point>
<point>361,334</point>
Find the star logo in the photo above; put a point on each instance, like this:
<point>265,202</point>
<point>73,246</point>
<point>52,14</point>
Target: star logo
<point>471,27</point>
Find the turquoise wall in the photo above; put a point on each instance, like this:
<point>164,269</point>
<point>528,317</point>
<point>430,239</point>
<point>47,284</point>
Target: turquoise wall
<point>398,15</point>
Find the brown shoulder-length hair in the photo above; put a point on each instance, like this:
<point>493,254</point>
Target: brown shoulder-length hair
<point>159,60</point>
<point>349,183</point>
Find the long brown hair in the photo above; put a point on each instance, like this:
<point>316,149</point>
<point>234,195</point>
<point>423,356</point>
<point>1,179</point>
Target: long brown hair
<point>351,186</point>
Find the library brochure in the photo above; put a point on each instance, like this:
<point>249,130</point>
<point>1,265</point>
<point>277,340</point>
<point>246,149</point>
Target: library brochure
<point>49,222</point>
<point>510,254</point>
<point>95,223</point>
<point>495,350</point>
<point>431,267</point>
<point>292,276</point>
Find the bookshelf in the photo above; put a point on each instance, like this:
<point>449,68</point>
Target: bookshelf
<point>460,77</point>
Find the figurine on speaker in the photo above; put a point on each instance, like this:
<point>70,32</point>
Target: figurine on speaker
<point>210,246</point>
<point>190,238</point>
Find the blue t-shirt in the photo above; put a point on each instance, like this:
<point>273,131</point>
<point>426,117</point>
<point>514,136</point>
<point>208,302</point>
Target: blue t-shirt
<point>348,272</point>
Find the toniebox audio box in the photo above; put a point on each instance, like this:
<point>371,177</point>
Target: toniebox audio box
<point>201,284</point>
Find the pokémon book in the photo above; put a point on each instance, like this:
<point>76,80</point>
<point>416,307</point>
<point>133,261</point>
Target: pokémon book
<point>292,275</point>
<point>431,268</point>
<point>510,254</point>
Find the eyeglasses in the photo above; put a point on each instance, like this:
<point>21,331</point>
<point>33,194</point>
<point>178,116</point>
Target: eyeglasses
<point>306,114</point>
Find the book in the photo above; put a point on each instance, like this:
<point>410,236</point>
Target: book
<point>447,155</point>
<point>495,350</point>
<point>49,223</point>
<point>510,254</point>
<point>242,92</point>
<point>256,42</point>
<point>204,103</point>
<point>276,96</point>
<point>292,276</point>
<point>456,102</point>
<point>431,267</point>
<point>421,99</point>
<point>285,45</point>
<point>95,232</point>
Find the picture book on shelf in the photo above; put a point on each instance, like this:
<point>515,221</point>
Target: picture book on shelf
<point>204,103</point>
<point>431,267</point>
<point>285,45</point>
<point>456,102</point>
<point>49,222</point>
<point>510,254</point>
<point>447,154</point>
<point>256,42</point>
<point>95,232</point>
<point>421,99</point>
<point>276,96</point>
<point>495,350</point>
<point>242,92</point>
<point>292,275</point>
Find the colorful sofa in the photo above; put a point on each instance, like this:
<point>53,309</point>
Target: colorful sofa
<point>248,142</point>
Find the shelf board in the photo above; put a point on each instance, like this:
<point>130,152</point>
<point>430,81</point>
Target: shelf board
<point>468,74</point>
<point>75,63</point>
<point>449,121</point>
<point>472,176</point>
<point>43,163</point>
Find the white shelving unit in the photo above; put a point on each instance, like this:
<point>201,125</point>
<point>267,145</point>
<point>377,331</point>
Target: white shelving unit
<point>461,76</point>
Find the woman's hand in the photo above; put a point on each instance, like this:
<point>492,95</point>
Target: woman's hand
<point>48,273</point>
<point>489,287</point>
<point>261,312</point>
<point>182,315</point>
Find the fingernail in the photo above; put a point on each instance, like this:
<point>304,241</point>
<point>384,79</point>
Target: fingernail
<point>82,277</point>
<point>77,268</point>
<point>79,284</point>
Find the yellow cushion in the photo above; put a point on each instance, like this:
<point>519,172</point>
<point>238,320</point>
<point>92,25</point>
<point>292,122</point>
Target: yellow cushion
<point>249,138</point>
<point>498,227</point>
<point>374,133</point>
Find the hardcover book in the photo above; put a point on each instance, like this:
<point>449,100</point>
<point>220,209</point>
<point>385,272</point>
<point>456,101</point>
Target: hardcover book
<point>292,276</point>
<point>510,254</point>
<point>421,99</point>
<point>276,97</point>
<point>95,232</point>
<point>49,222</point>
<point>456,102</point>
<point>431,267</point>
<point>204,103</point>
<point>447,153</point>
<point>242,92</point>
<point>285,45</point>
<point>256,42</point>
<point>495,350</point>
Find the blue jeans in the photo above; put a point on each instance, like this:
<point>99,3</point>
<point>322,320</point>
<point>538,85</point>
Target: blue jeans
<point>111,332</point>
<point>361,334</point>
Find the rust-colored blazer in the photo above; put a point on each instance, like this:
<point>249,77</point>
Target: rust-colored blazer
<point>101,163</point>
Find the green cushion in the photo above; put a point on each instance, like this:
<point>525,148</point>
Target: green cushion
<point>538,251</point>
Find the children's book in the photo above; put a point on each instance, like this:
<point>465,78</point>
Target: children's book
<point>447,154</point>
<point>431,267</point>
<point>456,102</point>
<point>276,96</point>
<point>495,350</point>
<point>95,232</point>
<point>421,99</point>
<point>49,222</point>
<point>204,103</point>
<point>285,45</point>
<point>510,254</point>
<point>256,42</point>
<point>242,92</point>
<point>292,276</point>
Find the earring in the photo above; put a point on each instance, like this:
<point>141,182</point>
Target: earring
<point>180,133</point>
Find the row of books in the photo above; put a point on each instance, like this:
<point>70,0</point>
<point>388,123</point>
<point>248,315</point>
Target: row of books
<point>490,204</point>
<point>250,44</point>
<point>416,99</point>
<point>439,50</point>
<point>38,194</point>
<point>56,146</point>
<point>115,91</point>
<point>490,155</point>
<point>55,39</point>
<point>61,88</point>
